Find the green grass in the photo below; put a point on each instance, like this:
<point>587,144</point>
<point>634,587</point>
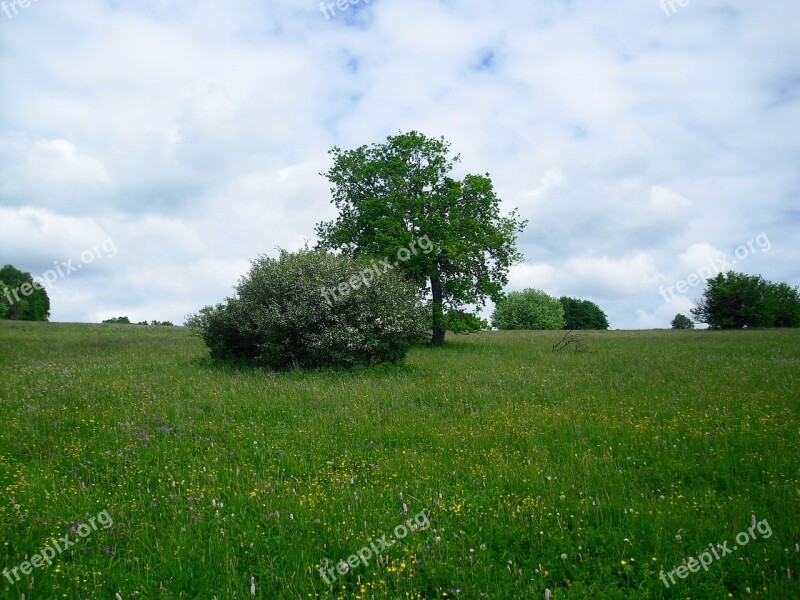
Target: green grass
<point>214,475</point>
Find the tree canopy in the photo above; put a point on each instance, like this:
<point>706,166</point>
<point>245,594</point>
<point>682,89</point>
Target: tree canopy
<point>682,322</point>
<point>24,298</point>
<point>582,314</point>
<point>736,300</point>
<point>528,309</point>
<point>392,194</point>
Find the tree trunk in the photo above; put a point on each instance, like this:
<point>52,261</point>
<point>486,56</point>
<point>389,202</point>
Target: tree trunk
<point>438,312</point>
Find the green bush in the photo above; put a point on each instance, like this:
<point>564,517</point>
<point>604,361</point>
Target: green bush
<point>459,321</point>
<point>682,322</point>
<point>529,309</point>
<point>582,314</point>
<point>313,309</point>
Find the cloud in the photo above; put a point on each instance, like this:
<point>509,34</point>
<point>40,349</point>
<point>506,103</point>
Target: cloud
<point>193,134</point>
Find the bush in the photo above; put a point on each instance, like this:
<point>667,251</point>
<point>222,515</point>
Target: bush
<point>529,309</point>
<point>682,322</point>
<point>582,314</point>
<point>459,321</point>
<point>284,315</point>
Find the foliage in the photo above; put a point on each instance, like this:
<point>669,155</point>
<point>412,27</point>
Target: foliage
<point>787,305</point>
<point>390,195</point>
<point>529,309</point>
<point>582,314</point>
<point>682,322</point>
<point>25,299</point>
<point>284,315</point>
<point>5,306</point>
<point>459,321</point>
<point>736,300</point>
<point>118,321</point>
<point>127,321</point>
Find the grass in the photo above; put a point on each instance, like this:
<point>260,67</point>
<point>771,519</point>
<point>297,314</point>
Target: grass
<point>582,473</point>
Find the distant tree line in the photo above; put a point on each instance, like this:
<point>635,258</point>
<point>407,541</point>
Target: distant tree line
<point>127,321</point>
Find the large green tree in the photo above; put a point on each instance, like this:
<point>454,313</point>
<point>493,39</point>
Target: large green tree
<point>736,300</point>
<point>393,194</point>
<point>27,299</point>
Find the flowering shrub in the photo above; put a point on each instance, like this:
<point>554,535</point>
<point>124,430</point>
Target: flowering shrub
<point>280,317</point>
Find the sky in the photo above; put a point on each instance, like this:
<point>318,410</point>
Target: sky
<point>151,149</point>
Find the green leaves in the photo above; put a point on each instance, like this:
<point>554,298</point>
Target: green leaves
<point>682,322</point>
<point>582,314</point>
<point>23,299</point>
<point>393,193</point>
<point>529,309</point>
<point>314,309</point>
<point>736,300</point>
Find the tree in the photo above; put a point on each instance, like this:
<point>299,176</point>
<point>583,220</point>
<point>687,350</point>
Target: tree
<point>682,322</point>
<point>736,300</point>
<point>529,309</point>
<point>285,314</point>
<point>27,299</point>
<point>787,305</point>
<point>393,194</point>
<point>582,314</point>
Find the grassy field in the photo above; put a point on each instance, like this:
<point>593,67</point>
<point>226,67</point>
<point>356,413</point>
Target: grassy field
<point>493,467</point>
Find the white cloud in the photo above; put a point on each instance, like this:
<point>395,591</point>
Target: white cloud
<point>193,133</point>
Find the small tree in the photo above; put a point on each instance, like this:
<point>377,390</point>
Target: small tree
<point>529,309</point>
<point>682,322</point>
<point>582,314</point>
<point>284,314</point>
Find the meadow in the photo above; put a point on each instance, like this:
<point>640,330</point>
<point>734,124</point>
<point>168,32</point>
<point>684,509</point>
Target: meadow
<point>582,473</point>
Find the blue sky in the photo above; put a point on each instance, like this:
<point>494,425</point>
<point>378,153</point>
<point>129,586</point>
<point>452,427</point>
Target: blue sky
<point>643,142</point>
